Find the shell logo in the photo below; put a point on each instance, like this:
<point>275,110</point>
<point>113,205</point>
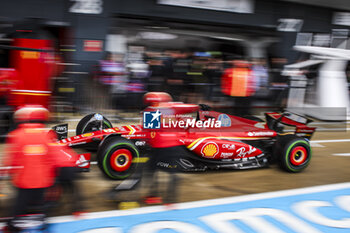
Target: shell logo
<point>210,149</point>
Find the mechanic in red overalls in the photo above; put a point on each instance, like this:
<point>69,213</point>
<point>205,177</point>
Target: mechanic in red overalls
<point>165,149</point>
<point>163,157</point>
<point>32,156</point>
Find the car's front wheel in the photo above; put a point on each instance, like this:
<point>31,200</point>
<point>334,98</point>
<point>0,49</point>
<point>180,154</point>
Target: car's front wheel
<point>115,157</point>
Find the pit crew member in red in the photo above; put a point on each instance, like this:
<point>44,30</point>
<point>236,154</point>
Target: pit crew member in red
<point>31,159</point>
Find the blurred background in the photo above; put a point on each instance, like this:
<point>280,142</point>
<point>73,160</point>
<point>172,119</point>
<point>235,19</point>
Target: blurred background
<point>81,56</point>
<point>106,54</point>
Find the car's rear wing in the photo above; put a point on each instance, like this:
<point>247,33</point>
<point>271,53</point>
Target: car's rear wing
<point>276,120</point>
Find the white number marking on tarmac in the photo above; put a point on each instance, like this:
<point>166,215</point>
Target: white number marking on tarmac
<point>341,154</point>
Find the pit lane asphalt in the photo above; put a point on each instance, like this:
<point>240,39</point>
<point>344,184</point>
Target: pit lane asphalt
<point>326,167</point>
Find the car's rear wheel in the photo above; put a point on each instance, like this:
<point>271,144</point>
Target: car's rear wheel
<point>115,157</point>
<point>293,153</point>
<point>89,123</point>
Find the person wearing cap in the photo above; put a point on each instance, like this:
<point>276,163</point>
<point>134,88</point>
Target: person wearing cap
<point>32,156</point>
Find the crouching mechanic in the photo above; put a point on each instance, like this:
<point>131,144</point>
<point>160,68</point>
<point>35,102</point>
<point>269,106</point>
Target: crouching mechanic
<point>33,160</point>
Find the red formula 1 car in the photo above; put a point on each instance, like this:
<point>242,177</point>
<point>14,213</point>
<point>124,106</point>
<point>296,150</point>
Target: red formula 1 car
<point>233,143</point>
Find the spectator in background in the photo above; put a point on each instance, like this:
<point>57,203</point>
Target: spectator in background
<point>239,83</point>
<point>119,83</point>
<point>111,78</point>
<point>259,71</point>
<point>213,72</point>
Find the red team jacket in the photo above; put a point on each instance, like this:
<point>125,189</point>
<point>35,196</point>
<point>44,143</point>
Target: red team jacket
<point>238,81</point>
<point>35,157</point>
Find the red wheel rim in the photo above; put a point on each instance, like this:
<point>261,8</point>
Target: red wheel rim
<point>298,155</point>
<point>121,160</point>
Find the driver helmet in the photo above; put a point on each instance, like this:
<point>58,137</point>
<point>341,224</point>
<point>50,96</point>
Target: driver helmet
<point>154,98</point>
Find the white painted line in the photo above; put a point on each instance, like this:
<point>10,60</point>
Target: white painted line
<point>93,162</point>
<point>328,123</point>
<point>331,129</point>
<point>329,141</point>
<point>341,154</point>
<point>205,203</point>
<point>315,144</point>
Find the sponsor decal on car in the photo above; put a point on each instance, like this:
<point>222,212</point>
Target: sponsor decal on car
<point>166,165</point>
<point>61,128</point>
<point>61,131</point>
<point>305,130</point>
<point>268,133</point>
<point>83,162</point>
<point>140,143</point>
<point>226,155</point>
<point>228,146</point>
<point>241,152</point>
<point>210,149</point>
<point>76,143</point>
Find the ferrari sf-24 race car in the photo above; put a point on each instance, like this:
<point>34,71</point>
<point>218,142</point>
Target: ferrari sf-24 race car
<point>238,143</point>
